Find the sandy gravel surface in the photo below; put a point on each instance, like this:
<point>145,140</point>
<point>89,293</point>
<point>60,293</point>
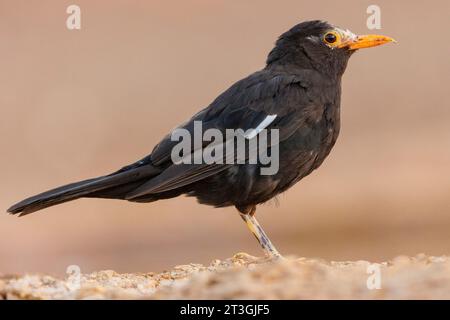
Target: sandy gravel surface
<point>247,277</point>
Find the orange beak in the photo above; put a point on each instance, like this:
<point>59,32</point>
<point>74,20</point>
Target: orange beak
<point>367,41</point>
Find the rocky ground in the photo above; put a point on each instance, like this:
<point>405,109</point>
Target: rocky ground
<point>247,277</point>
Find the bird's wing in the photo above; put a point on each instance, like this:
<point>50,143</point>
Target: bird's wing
<point>263,100</point>
<point>245,105</point>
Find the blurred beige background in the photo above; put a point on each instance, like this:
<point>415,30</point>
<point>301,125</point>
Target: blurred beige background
<point>76,104</point>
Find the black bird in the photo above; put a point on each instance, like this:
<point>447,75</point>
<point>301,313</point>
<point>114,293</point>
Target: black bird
<point>298,92</point>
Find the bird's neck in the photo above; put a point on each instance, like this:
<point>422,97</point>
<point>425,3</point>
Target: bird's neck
<point>324,78</point>
<point>300,60</point>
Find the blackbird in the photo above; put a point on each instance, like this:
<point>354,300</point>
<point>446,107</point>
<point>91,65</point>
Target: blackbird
<point>298,93</point>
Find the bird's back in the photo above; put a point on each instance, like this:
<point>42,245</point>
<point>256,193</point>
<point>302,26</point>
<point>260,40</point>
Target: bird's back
<point>307,109</point>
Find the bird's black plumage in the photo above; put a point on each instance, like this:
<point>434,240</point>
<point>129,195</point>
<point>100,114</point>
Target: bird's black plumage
<point>300,84</point>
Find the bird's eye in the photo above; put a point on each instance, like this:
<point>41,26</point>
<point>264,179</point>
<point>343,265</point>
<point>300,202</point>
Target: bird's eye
<point>330,37</point>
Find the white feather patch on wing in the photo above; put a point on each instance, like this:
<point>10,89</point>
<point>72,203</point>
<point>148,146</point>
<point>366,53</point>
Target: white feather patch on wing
<point>264,124</point>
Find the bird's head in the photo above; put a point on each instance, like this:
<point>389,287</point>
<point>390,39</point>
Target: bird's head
<point>320,46</point>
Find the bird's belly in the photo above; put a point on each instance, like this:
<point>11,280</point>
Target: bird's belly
<point>298,157</point>
<point>245,184</point>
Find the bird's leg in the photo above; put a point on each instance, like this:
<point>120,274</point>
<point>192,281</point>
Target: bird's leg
<point>259,234</point>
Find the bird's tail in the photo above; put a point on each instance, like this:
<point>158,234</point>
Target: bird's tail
<point>115,185</point>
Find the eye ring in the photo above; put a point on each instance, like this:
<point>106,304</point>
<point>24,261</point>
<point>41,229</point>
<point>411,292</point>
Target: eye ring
<point>331,37</point>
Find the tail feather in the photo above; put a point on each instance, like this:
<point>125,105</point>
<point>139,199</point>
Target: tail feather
<point>87,188</point>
